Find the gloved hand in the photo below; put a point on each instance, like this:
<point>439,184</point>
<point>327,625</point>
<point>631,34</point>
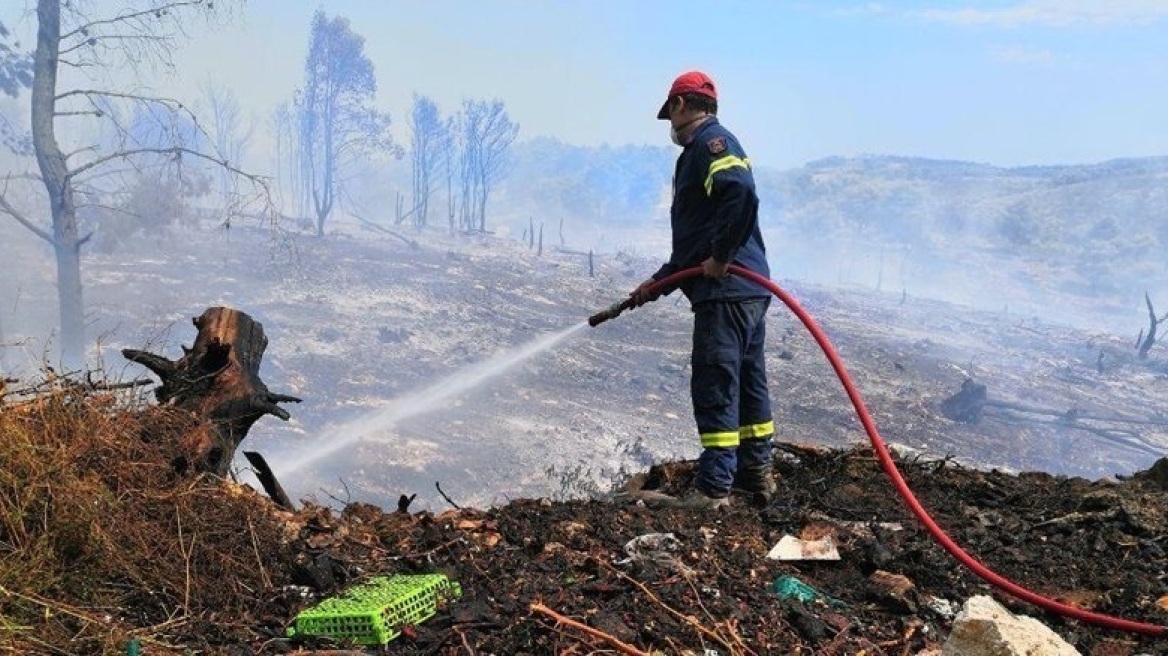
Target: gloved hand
<point>642,295</point>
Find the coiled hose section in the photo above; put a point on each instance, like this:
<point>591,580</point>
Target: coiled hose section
<point>889,466</point>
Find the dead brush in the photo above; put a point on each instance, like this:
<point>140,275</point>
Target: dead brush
<point>101,541</point>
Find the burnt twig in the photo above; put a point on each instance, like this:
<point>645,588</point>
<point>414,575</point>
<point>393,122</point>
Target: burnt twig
<point>622,647</point>
<point>448,499</point>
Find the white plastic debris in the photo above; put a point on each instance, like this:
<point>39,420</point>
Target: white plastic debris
<point>792,548</point>
<point>651,544</point>
<point>659,548</point>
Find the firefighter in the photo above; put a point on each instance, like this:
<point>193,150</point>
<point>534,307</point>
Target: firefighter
<point>714,219</point>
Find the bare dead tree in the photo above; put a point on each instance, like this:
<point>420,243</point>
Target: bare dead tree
<point>497,135</point>
<point>230,133</point>
<point>1145,342</point>
<point>426,152</point>
<point>485,137</point>
<point>69,34</point>
<point>468,123</point>
<point>282,124</point>
<point>449,158</point>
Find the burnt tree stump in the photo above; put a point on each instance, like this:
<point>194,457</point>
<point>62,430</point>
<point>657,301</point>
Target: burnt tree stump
<point>217,379</point>
<point>967,405</point>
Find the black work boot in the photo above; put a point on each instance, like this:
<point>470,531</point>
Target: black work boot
<point>757,482</point>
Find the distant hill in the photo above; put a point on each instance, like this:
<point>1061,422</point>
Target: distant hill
<point>1119,206</point>
<point>901,223</point>
<point>976,232</point>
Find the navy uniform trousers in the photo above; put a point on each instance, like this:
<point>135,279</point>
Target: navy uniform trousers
<point>731,403</point>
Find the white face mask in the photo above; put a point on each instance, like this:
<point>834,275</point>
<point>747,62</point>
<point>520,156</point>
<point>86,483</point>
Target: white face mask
<point>675,133</point>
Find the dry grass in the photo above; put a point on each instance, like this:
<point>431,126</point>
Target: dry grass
<point>101,542</point>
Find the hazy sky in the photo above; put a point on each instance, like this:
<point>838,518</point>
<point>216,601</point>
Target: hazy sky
<point>1006,82</point>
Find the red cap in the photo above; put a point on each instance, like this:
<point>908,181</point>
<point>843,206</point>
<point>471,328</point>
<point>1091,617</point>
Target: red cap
<point>691,82</point>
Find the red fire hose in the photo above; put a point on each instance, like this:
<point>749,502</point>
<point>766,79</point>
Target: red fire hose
<point>889,466</point>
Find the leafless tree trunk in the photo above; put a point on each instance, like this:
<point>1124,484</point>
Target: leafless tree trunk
<point>55,174</point>
<point>229,134</point>
<point>449,147</point>
<point>468,126</point>
<point>450,213</point>
<point>496,136</point>
<point>486,134</point>
<point>288,162</point>
<point>426,150</point>
<point>324,195</point>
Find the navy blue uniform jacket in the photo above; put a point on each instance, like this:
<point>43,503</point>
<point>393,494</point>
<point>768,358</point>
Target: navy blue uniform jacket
<point>715,213</point>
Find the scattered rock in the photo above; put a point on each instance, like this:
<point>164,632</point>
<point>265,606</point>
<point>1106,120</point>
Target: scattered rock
<point>985,628</point>
<point>1157,474</point>
<point>895,590</point>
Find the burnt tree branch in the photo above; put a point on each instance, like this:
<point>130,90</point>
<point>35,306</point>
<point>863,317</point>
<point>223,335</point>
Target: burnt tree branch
<point>268,480</point>
<point>1145,342</point>
<point>162,367</point>
<point>8,209</point>
<point>969,406</point>
<point>154,12</point>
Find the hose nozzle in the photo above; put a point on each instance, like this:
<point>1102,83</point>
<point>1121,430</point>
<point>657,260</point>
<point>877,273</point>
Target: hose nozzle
<point>611,312</point>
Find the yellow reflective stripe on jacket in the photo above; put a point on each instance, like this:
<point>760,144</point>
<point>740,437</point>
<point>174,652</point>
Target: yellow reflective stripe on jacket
<point>755,431</point>
<point>721,164</point>
<point>724,438</point>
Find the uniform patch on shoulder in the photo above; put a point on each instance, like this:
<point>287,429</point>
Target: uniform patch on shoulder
<point>716,145</point>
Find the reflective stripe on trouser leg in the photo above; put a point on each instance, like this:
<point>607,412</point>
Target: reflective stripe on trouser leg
<point>756,431</point>
<point>714,389</point>
<point>754,445</point>
<point>725,438</point>
<point>712,386</point>
<point>754,406</point>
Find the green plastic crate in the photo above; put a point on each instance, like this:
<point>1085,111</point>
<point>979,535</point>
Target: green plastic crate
<point>375,612</point>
